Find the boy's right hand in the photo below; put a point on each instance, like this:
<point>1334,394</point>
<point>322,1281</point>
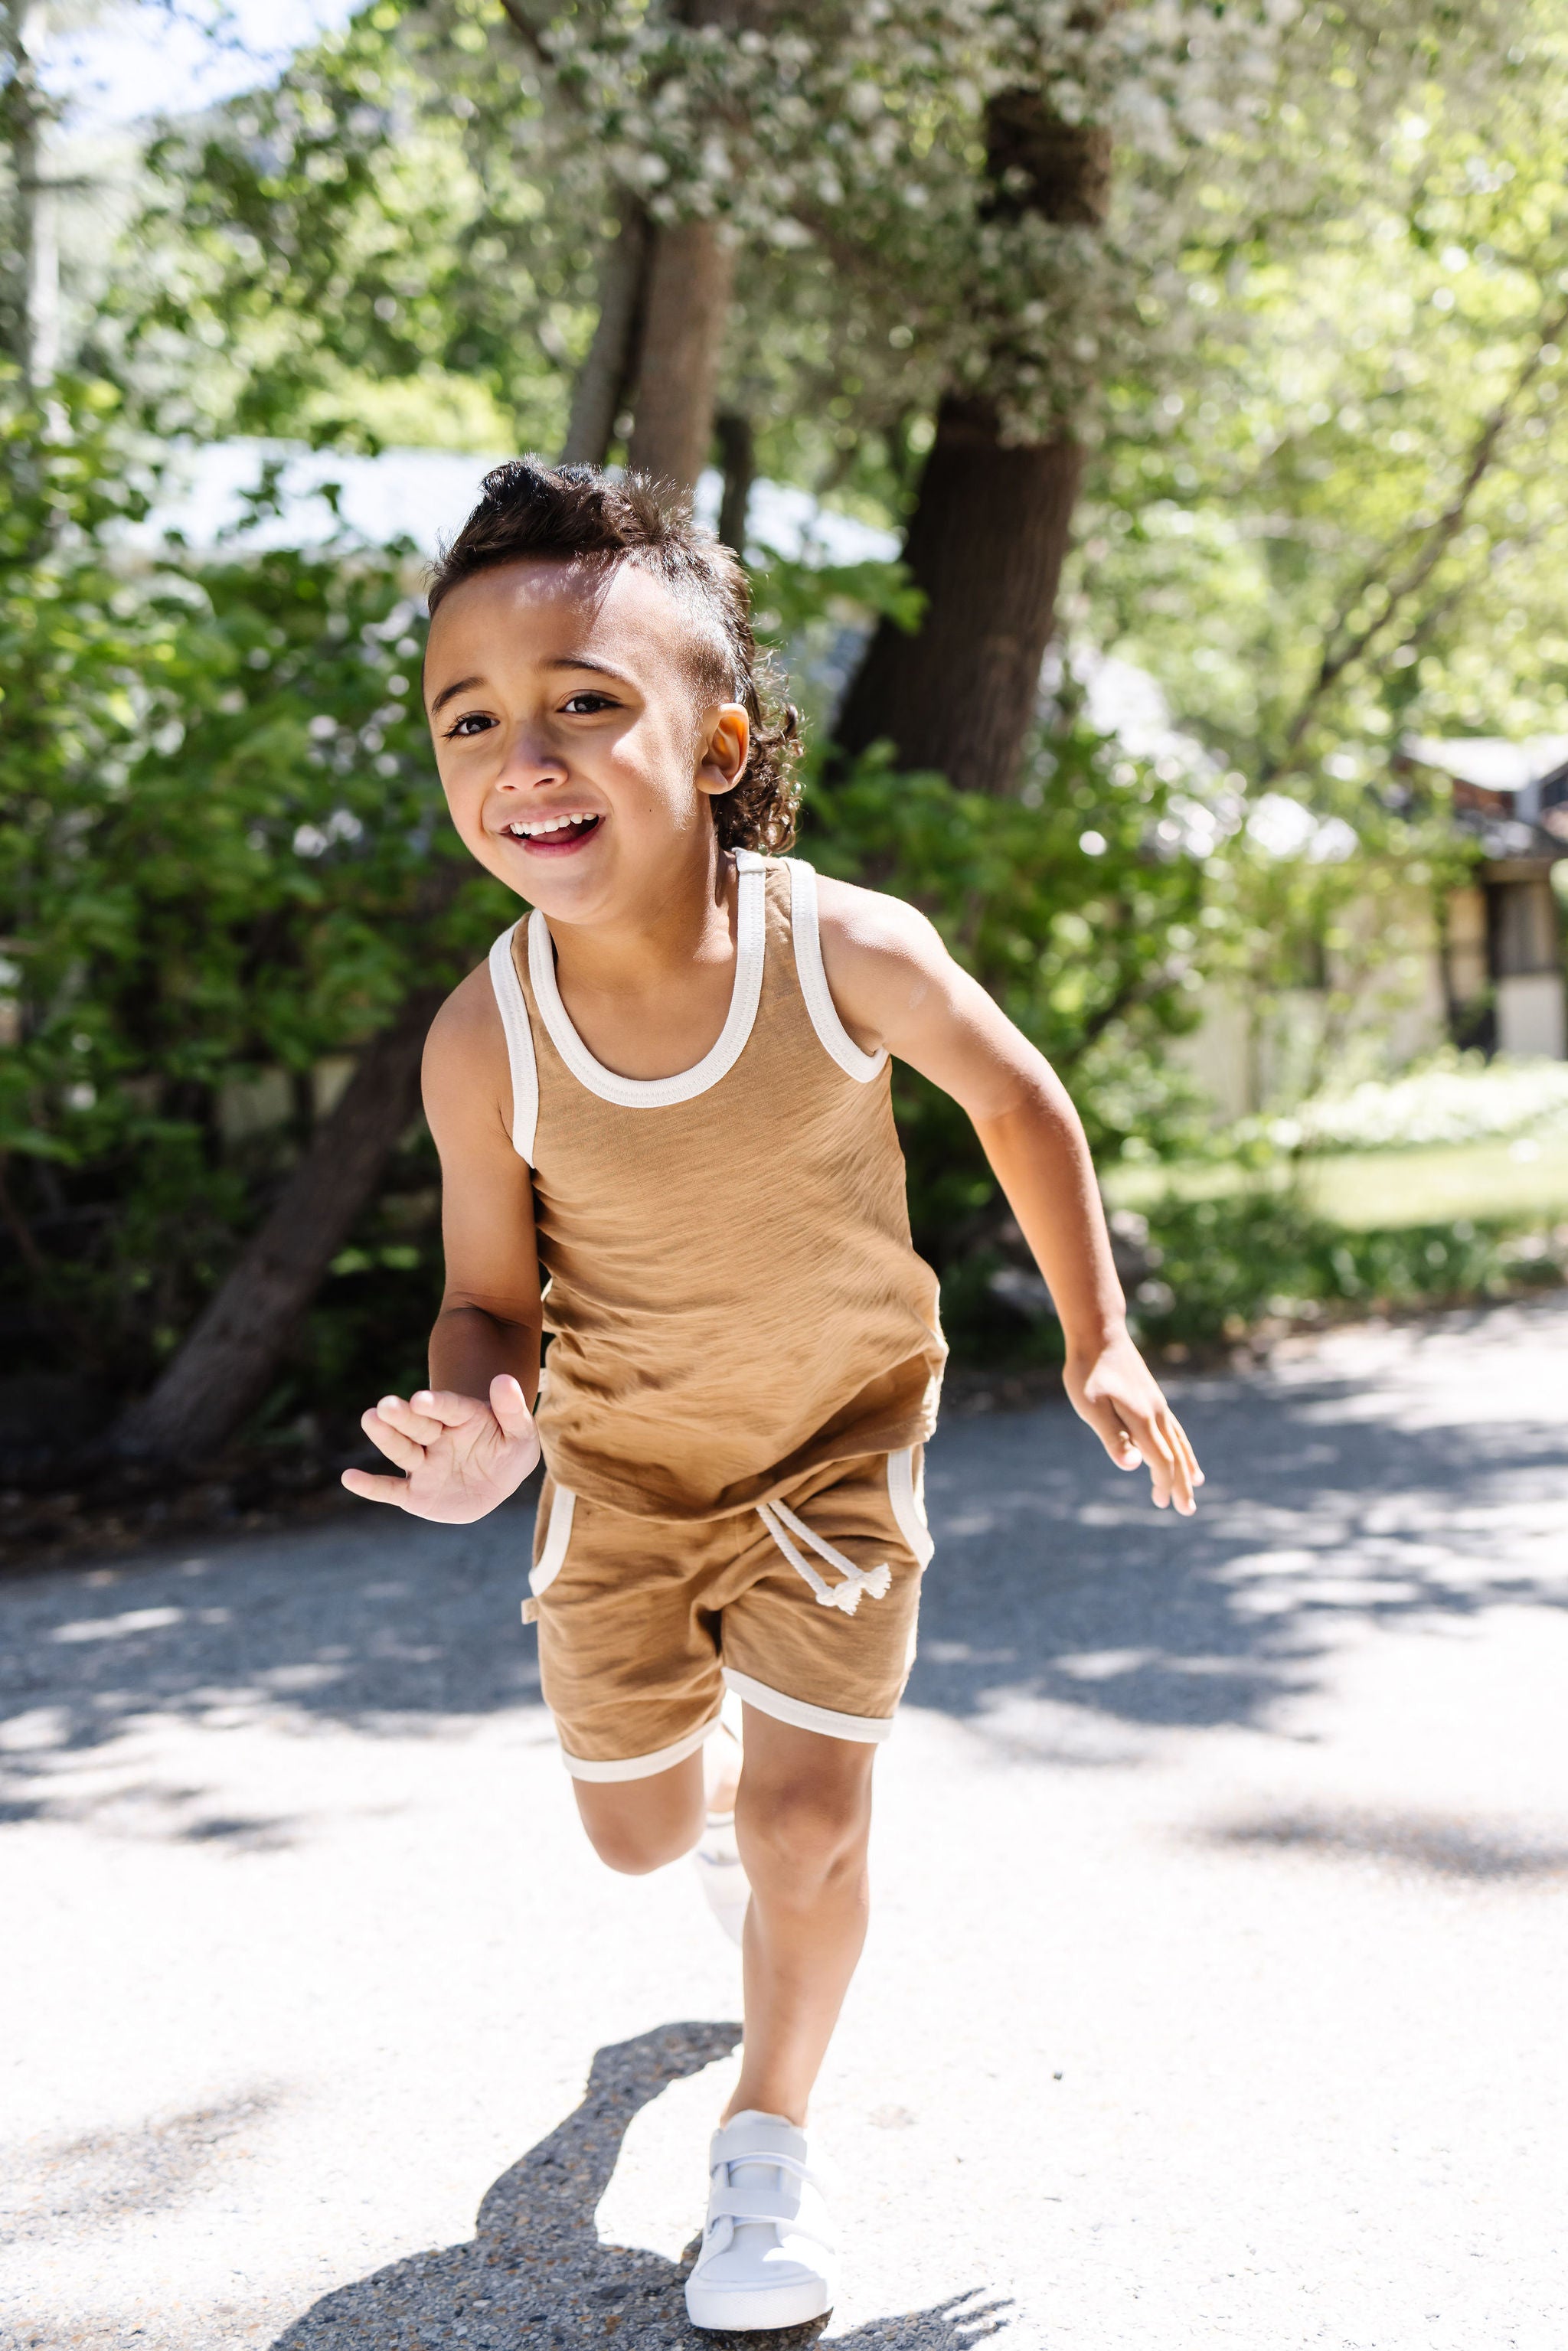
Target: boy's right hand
<point>459,1455</point>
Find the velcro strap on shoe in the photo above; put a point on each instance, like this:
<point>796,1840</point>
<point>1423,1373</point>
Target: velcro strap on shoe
<point>758,2143</point>
<point>754,2204</point>
<point>723,2221</point>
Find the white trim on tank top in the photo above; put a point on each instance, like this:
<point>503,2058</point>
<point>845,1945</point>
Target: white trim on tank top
<point>513,1008</point>
<point>808,938</point>
<point>661,1093</point>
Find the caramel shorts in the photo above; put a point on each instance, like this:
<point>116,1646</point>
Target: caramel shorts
<point>805,1607</point>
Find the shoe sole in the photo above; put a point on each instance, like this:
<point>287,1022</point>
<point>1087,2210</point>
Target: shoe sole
<point>750,2310</point>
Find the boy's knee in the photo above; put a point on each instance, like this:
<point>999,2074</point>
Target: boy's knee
<point>801,1830</point>
<point>643,1834</point>
<point>634,1854</point>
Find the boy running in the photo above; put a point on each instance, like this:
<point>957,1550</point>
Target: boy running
<point>667,1095</point>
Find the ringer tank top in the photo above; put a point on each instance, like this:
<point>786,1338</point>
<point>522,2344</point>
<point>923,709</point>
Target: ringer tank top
<point>730,1289</point>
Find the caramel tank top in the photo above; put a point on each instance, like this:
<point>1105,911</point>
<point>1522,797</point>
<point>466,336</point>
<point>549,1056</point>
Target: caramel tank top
<point>731,1292</point>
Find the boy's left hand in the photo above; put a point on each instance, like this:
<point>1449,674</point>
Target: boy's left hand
<point>1119,1396</point>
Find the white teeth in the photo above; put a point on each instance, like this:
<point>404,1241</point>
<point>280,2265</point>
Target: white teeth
<point>525,831</point>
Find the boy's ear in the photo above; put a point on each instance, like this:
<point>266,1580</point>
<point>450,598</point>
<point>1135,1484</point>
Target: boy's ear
<point>724,748</point>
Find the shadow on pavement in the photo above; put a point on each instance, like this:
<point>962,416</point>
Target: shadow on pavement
<point>60,2191</point>
<point>1062,1614</point>
<point>1403,1843</point>
<point>535,2272</point>
<point>1054,1580</point>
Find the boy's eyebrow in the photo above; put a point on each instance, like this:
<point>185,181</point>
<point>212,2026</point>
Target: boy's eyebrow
<point>559,661</point>
<point>584,661</point>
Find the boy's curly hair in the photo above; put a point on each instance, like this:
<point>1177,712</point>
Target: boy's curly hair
<point>577,513</point>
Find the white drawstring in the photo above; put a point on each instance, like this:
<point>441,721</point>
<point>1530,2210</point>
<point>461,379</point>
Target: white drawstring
<point>846,1595</point>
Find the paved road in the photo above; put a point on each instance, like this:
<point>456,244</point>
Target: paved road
<point>1215,1995</point>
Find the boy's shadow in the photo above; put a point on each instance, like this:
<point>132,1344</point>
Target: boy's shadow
<point>535,2273</point>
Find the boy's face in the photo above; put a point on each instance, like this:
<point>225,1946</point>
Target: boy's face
<point>576,752</point>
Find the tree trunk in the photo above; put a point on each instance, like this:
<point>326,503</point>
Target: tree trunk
<point>222,1370</point>
<point>737,455</point>
<point>986,544</point>
<point>37,236</point>
<point>689,282</point>
<point>605,379</point>
<point>992,523</point>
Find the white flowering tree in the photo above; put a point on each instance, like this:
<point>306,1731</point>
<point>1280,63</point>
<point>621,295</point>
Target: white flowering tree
<point>1125,183</point>
<point>1009,195</point>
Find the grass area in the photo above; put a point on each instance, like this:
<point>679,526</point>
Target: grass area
<point>1386,1190</point>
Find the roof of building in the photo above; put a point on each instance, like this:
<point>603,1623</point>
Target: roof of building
<point>1490,762</point>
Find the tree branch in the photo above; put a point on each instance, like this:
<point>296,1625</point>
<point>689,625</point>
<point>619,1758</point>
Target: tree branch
<point>1344,646</point>
<point>532,42</point>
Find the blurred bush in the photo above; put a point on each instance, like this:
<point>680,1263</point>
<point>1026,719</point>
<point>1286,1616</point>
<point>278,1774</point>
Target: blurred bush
<point>224,860</point>
<point>1454,1098</point>
<point>1067,908</point>
<point>1201,1274</point>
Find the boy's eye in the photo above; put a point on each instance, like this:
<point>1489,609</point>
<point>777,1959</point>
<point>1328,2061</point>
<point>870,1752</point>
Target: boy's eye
<point>472,722</point>
<point>585,703</point>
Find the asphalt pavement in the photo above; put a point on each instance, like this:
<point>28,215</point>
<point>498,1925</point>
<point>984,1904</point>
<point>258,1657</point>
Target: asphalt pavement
<point>1215,1989</point>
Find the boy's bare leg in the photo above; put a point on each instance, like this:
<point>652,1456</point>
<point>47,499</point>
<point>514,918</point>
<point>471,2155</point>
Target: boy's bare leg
<point>802,1818</point>
<point>636,1825</point>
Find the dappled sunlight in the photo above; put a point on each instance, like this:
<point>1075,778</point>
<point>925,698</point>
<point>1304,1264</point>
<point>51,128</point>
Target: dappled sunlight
<point>1354,1485</point>
<point>1386,1479</point>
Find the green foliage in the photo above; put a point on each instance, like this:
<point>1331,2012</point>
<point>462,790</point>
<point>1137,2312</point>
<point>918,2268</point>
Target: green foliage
<point>1338,521</point>
<point>354,255</point>
<point>1070,907</point>
<point>1215,1270</point>
<point>1225,1264</point>
<point>223,858</point>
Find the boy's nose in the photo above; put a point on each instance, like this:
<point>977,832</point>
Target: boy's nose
<point>532,760</point>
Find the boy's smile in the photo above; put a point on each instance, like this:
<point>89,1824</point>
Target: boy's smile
<point>552,836</point>
<point>577,749</point>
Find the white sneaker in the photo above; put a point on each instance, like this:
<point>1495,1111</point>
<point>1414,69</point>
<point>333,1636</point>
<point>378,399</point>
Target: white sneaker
<point>767,2257</point>
<point>725,1883</point>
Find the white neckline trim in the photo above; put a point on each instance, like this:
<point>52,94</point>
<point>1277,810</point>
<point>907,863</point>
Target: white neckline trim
<point>660,1093</point>
<point>814,988</point>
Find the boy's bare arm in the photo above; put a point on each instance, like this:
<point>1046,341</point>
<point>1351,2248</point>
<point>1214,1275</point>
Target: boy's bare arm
<point>467,1441</point>
<point>490,1317</point>
<point>895,985</point>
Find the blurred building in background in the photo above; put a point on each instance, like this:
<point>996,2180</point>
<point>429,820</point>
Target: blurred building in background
<point>1502,952</point>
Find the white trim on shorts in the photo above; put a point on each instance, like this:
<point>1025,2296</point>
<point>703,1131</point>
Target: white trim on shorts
<point>557,1534</point>
<point>641,1767</point>
<point>869,1728</point>
<point>907,1507</point>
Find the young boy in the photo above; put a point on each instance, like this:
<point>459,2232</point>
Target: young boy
<point>668,1092</point>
